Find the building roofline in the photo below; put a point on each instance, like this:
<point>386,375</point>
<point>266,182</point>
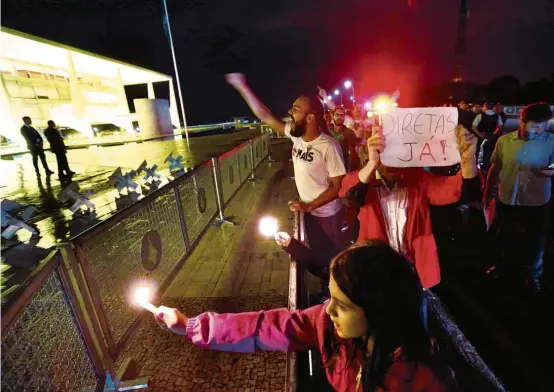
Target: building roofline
<point>32,37</point>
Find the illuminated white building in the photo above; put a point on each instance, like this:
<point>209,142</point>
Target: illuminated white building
<point>77,89</point>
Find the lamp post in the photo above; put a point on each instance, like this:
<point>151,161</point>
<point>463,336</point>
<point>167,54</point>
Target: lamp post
<point>349,85</point>
<point>337,92</point>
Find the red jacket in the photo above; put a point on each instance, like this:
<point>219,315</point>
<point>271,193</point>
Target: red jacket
<point>282,330</point>
<point>424,188</point>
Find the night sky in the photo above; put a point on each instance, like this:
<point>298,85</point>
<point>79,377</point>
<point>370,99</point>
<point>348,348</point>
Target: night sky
<point>289,46</point>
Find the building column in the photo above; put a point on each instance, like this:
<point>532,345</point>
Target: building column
<point>8,123</point>
<point>123,114</point>
<point>173,110</point>
<point>78,108</point>
<point>151,94</point>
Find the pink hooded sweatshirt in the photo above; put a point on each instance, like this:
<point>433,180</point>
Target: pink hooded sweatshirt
<point>283,330</point>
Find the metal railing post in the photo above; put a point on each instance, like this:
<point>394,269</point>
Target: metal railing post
<point>218,195</point>
<point>182,217</point>
<point>252,175</point>
<point>269,150</point>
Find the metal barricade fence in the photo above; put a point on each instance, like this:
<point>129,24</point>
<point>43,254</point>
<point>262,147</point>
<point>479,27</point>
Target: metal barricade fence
<point>230,173</point>
<point>258,150</point>
<point>198,203</point>
<point>147,243</point>
<point>43,348</point>
<point>266,140</point>
<point>47,347</point>
<point>245,168</point>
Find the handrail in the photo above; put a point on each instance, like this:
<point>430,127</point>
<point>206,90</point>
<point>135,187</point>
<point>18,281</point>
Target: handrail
<point>234,149</point>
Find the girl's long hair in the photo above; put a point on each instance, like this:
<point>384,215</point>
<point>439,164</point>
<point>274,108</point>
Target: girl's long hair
<point>386,286</point>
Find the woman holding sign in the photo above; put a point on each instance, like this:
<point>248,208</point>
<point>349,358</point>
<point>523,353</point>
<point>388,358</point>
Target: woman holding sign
<point>394,202</point>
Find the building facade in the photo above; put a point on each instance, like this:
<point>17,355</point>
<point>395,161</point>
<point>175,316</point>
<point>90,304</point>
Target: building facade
<point>46,80</point>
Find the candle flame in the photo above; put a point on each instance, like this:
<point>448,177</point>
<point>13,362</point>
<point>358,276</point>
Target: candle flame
<point>268,226</point>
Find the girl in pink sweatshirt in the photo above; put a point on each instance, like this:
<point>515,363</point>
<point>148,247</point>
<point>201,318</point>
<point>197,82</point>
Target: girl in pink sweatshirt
<point>370,333</point>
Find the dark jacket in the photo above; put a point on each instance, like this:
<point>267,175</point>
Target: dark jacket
<point>55,139</point>
<point>32,137</point>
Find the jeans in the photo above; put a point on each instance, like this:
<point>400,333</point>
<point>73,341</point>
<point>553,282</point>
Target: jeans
<point>521,239</point>
<point>487,149</point>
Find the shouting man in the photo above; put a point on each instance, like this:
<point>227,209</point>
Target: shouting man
<point>318,167</point>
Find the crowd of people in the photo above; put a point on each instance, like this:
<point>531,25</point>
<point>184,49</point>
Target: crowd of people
<point>370,320</point>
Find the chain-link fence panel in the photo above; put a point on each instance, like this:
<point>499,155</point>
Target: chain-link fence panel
<point>147,244</point>
<point>229,169</point>
<point>244,162</point>
<point>257,151</point>
<point>43,349</point>
<point>198,201</point>
<point>266,139</point>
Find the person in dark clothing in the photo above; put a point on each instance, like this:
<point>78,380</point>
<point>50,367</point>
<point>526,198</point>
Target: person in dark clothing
<point>466,116</point>
<point>57,146</point>
<point>523,168</point>
<point>488,127</point>
<point>498,109</point>
<point>34,144</point>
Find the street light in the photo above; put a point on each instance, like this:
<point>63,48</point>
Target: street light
<point>382,105</point>
<point>351,98</point>
<point>329,98</point>
<point>337,92</point>
<point>348,84</point>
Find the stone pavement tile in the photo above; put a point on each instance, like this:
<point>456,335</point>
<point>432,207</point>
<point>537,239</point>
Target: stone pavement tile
<point>265,288</point>
<point>199,290</point>
<point>255,269</point>
<point>218,270</point>
<point>203,275</point>
<point>173,364</point>
<point>276,282</point>
<point>280,260</point>
<point>268,267</point>
<point>249,288</point>
<point>239,279</point>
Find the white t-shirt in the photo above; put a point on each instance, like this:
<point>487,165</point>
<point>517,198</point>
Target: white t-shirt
<point>315,163</point>
<point>394,204</point>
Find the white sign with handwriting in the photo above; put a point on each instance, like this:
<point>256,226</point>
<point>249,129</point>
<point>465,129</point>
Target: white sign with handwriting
<point>418,137</point>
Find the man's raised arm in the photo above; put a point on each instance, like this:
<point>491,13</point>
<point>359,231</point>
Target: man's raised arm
<point>238,81</point>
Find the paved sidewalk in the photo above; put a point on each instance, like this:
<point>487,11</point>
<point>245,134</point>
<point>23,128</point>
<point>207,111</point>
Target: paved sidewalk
<point>237,260</point>
<point>232,269</point>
